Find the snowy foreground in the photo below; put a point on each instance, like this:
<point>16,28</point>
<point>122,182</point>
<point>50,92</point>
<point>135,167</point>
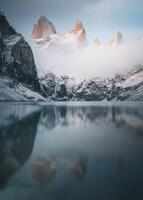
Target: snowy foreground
<point>13,91</point>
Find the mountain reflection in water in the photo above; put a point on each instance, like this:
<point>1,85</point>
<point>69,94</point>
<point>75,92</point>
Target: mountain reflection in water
<point>63,151</point>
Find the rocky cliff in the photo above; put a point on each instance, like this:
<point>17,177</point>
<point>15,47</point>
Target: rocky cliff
<point>16,57</point>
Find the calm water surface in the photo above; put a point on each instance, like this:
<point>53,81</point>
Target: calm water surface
<point>71,151</point>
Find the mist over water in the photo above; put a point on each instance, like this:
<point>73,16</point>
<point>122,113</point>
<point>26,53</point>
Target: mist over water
<point>92,61</point>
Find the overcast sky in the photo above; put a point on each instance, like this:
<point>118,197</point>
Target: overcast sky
<point>100,17</point>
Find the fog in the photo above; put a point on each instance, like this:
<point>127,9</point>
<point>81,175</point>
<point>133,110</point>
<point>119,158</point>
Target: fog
<point>92,61</point>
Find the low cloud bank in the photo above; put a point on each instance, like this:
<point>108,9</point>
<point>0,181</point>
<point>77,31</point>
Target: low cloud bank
<point>93,61</point>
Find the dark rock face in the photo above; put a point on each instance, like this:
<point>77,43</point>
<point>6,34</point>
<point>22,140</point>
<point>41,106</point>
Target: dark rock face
<point>5,28</point>
<point>16,57</point>
<point>62,92</point>
<point>92,90</point>
<point>48,84</point>
<point>0,49</point>
<point>56,88</point>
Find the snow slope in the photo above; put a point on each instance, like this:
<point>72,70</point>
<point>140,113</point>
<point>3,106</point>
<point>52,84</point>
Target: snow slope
<point>11,90</point>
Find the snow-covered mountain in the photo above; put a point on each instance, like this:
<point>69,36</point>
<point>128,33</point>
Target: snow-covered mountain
<point>44,33</point>
<point>131,86</point>
<point>127,86</point>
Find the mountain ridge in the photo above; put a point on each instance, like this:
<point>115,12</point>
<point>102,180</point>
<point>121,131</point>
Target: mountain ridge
<point>44,34</point>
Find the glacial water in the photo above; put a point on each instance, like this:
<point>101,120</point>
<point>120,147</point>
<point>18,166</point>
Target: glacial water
<point>71,151</point>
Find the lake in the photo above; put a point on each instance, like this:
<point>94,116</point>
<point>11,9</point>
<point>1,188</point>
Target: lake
<point>71,151</point>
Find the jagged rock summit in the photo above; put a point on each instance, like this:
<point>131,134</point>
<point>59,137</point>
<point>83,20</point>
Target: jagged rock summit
<point>77,35</point>
<point>116,38</point>
<point>43,29</point>
<point>44,33</point>
<point>5,28</point>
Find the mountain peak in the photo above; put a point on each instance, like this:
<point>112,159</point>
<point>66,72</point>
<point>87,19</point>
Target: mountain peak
<point>43,28</point>
<point>79,33</point>
<point>42,17</point>
<point>5,28</point>
<point>2,13</point>
<point>46,32</point>
<point>116,38</point>
<point>78,25</point>
<point>97,42</point>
